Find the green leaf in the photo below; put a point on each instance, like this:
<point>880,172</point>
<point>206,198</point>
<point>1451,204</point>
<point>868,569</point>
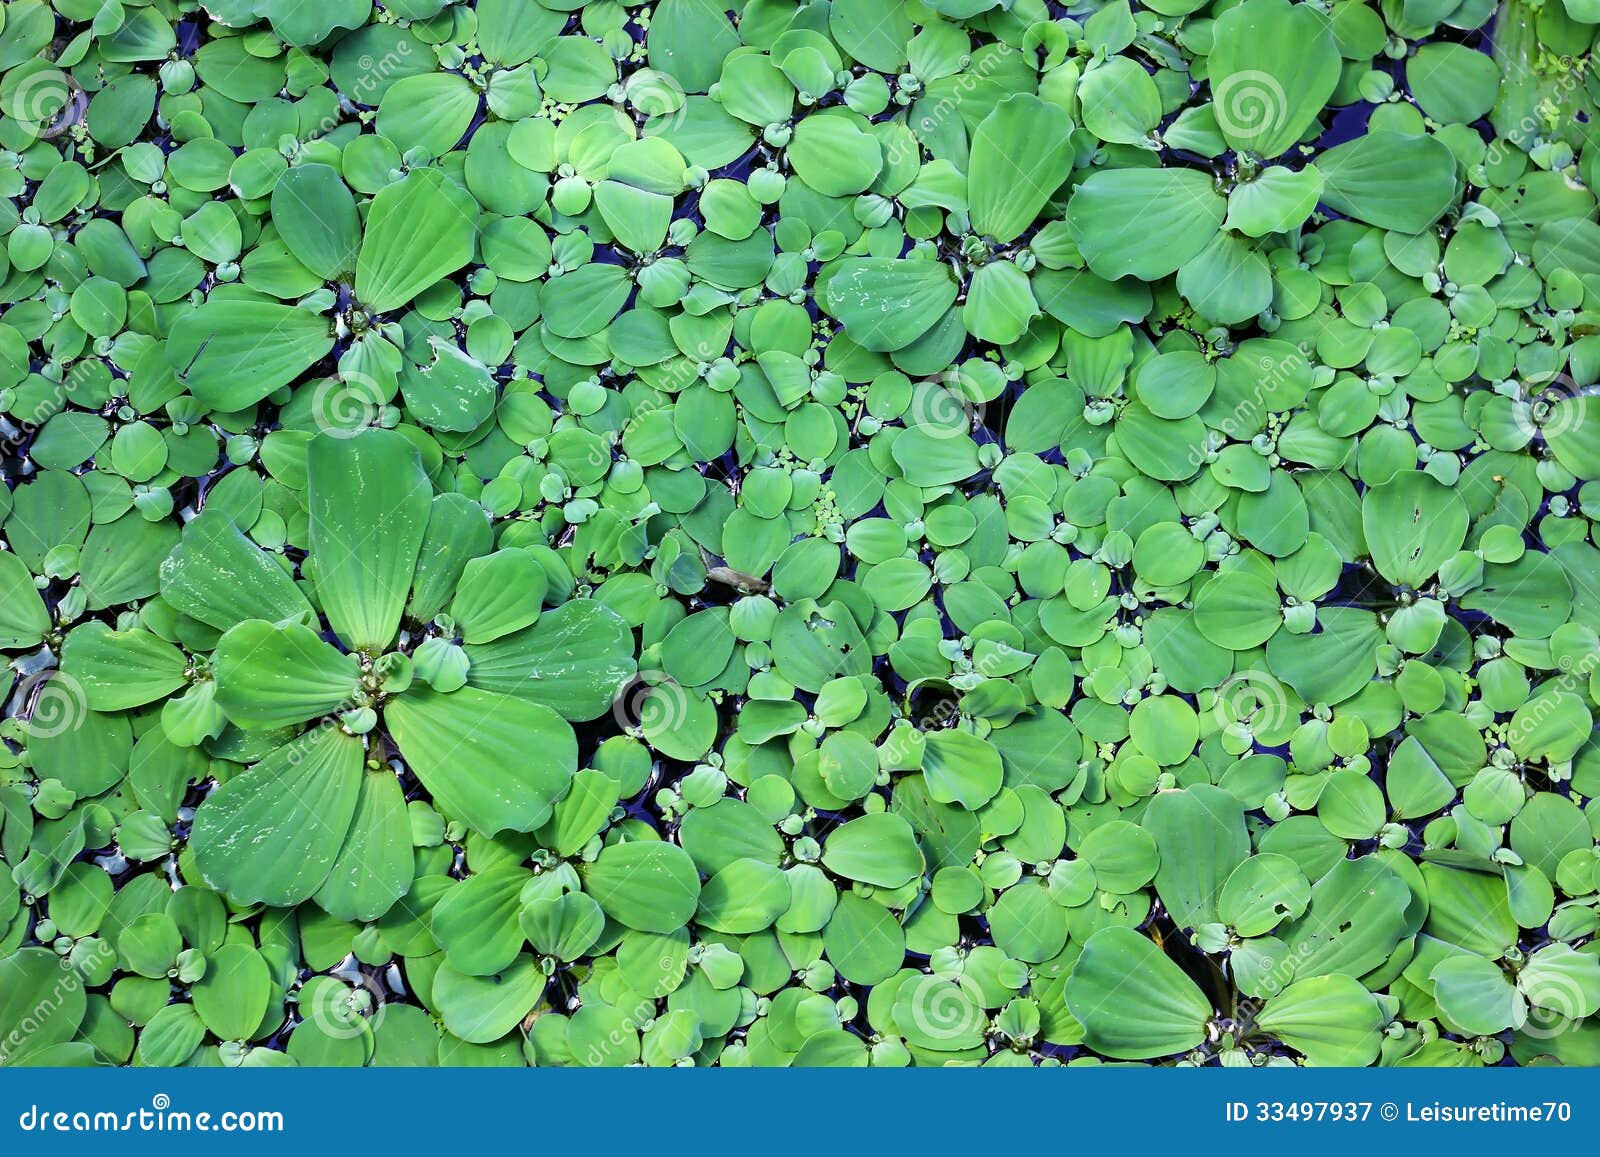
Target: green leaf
<point>475,922</point>
<point>961,768</point>
<point>276,676</point>
<point>565,926</point>
<point>1201,833</point>
<point>454,393</point>
<point>316,218</point>
<point>574,660</point>
<point>584,302</point>
<point>392,268</point>
<point>1390,180</point>
<point>230,354</point>
<point>428,113</point>
<point>935,458</point>
<point>1331,1020</point>
<point>1133,1002</point>
<point>121,560</point>
<point>743,898</point>
<point>270,834</point>
<point>646,885</point>
<point>1274,202</point>
<point>863,940</point>
<point>1021,153</point>
<point>1179,211</point>
<point>522,755</point>
<point>1412,525</point>
<point>232,996</point>
<point>885,304</point>
<point>875,849</point>
<point>218,576</point>
<point>1562,980</point>
<point>935,1013</point>
<point>480,1009</point>
<point>1273,65</point>
<point>369,502</point>
<point>1476,996</point>
<point>373,869</point>
<point>1359,912</point>
<point>40,1005</point>
<point>23,617</point>
<point>499,593</point>
<point>121,669</point>
<point>833,156</point>
<point>1237,610</point>
<point>1000,303</point>
<point>458,531</point>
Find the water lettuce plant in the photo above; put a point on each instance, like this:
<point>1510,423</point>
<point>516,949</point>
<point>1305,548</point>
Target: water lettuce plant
<point>801,532</point>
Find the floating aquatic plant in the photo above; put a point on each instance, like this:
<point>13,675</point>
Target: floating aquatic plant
<point>869,532</point>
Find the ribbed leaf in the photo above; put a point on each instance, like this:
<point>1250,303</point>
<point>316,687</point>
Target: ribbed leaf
<point>1020,155</point>
<point>231,354</point>
<point>1272,68</point>
<point>121,669</point>
<point>498,763</point>
<point>270,835</point>
<point>1134,1003</point>
<point>317,219</point>
<point>499,593</point>
<point>425,204</point>
<point>218,576</point>
<point>646,885</point>
<point>573,660</point>
<point>886,304</point>
<point>276,676</point>
<point>374,867</point>
<point>23,617</point>
<point>369,501</point>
